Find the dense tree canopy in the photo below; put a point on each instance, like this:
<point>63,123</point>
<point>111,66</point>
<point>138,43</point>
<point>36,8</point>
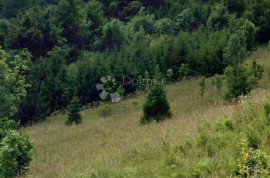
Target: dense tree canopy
<point>68,45</point>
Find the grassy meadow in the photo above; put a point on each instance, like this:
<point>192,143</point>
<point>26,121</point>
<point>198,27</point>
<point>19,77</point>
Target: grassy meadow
<point>202,139</point>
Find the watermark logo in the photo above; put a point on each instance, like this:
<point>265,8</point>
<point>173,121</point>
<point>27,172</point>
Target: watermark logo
<point>143,84</point>
<point>108,87</point>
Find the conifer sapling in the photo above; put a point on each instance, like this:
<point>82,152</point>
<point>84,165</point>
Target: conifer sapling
<point>74,109</point>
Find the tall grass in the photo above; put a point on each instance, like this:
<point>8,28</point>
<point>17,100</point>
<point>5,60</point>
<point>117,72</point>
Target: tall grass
<point>203,139</point>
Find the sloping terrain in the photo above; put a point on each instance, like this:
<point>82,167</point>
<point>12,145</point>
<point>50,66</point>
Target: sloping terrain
<point>188,145</point>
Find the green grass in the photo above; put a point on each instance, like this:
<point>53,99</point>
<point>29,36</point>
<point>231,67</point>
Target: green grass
<point>203,138</point>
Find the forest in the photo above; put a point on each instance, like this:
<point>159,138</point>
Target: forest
<point>53,51</point>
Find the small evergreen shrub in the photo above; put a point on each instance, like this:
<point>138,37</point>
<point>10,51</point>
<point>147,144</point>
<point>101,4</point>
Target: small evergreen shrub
<point>74,109</point>
<point>105,110</point>
<point>156,106</point>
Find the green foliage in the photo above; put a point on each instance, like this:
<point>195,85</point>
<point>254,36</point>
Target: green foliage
<point>135,104</point>
<point>15,154</point>
<point>236,6</point>
<point>164,26</point>
<point>237,84</point>
<point>105,110</point>
<point>253,138</point>
<point>158,76</point>
<point>62,48</point>
<point>185,20</point>
<point>266,112</point>
<point>228,123</point>
<point>234,53</point>
<point>94,11</point>
<point>169,74</point>
<point>13,84</point>
<point>236,74</point>
<point>144,21</point>
<point>74,109</point>
<point>256,70</point>
<point>218,18</point>
<point>267,135</point>
<point>249,34</point>
<point>113,34</point>
<point>156,106</point>
<point>15,148</point>
<point>257,11</point>
<point>202,86</point>
<point>75,41</point>
<point>183,71</point>
<point>218,83</point>
<point>253,162</point>
<point>6,127</point>
<point>205,51</point>
<point>121,90</point>
<point>68,9</point>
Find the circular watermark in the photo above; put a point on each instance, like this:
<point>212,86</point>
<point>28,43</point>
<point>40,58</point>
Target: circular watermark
<point>108,88</point>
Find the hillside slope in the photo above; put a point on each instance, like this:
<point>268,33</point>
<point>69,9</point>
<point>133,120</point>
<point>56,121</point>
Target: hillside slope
<point>191,144</point>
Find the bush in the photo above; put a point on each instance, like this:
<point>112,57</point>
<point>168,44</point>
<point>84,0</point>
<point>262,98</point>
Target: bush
<point>105,111</point>
<point>252,163</point>
<point>15,154</point>
<point>249,33</point>
<point>266,110</point>
<point>74,109</point>
<point>267,132</point>
<point>156,106</point>
<point>236,82</point>
<point>202,86</point>
<point>227,123</point>
<point>218,83</point>
<point>6,126</point>
<point>254,140</point>
<point>255,73</point>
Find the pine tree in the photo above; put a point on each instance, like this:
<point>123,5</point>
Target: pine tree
<point>236,82</point>
<point>158,76</point>
<point>74,109</point>
<point>156,106</point>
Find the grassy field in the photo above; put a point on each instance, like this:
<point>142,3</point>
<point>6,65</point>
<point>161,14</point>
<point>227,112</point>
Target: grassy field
<point>191,144</point>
